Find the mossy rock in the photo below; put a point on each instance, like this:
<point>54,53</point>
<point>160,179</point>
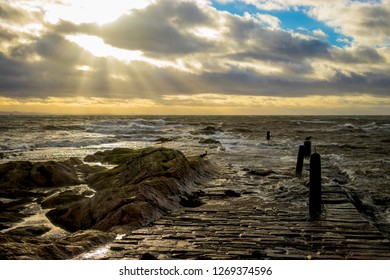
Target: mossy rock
<point>148,184</point>
<point>115,156</point>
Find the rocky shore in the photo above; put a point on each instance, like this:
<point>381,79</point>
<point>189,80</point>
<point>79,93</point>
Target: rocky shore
<point>57,210</point>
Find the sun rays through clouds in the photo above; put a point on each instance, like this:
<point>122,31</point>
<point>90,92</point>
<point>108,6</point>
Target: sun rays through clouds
<point>195,57</point>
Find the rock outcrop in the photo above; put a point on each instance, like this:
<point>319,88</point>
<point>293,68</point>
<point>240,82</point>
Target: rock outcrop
<point>146,185</point>
<point>91,202</point>
<point>27,247</point>
<point>19,176</point>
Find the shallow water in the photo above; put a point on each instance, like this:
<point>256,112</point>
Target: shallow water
<point>356,148</point>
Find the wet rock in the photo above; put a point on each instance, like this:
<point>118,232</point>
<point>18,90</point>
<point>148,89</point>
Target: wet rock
<point>145,185</point>
<point>261,172</point>
<point>87,170</point>
<point>191,201</point>
<point>26,175</point>
<point>115,156</point>
<point>150,183</point>
<point>10,217</point>
<point>139,165</point>
<point>83,168</point>
<point>231,193</point>
<point>88,193</point>
<point>4,226</point>
<point>147,256</point>
<point>62,198</point>
<point>88,239</point>
<point>381,200</point>
<point>29,230</point>
<point>97,157</point>
<point>340,179</point>
<point>209,130</point>
<point>25,247</point>
<point>54,174</point>
<point>74,161</point>
<point>15,175</point>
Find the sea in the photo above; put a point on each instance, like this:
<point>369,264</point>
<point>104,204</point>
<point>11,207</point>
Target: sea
<point>354,150</point>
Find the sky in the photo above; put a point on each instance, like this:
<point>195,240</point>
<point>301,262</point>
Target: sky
<point>256,57</point>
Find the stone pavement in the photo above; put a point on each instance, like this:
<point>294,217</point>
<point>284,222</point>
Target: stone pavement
<point>246,216</point>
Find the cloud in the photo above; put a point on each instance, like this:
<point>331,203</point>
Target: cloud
<point>187,48</point>
<point>163,28</point>
<point>367,22</point>
<point>16,15</point>
<point>358,55</point>
<point>319,33</point>
<point>269,20</point>
<point>6,35</point>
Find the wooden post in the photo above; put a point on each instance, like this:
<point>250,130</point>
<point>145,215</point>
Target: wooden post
<point>315,186</point>
<point>268,135</point>
<point>307,144</point>
<point>301,156</point>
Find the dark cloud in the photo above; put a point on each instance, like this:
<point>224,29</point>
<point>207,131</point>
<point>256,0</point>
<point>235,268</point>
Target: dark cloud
<point>47,64</point>
<point>186,14</point>
<point>352,82</point>
<point>67,27</point>
<point>57,48</point>
<point>358,55</point>
<point>135,32</point>
<point>376,19</point>
<point>7,35</point>
<point>159,29</point>
<point>10,72</point>
<point>52,74</point>
<point>275,45</point>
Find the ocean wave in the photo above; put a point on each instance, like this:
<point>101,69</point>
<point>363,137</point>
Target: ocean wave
<point>125,126</point>
<point>75,143</point>
<point>52,127</point>
<point>363,127</point>
<point>374,126</point>
<point>316,121</point>
<point>17,147</point>
<point>67,143</point>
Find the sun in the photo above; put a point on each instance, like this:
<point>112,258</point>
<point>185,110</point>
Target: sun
<point>100,12</point>
<point>99,48</point>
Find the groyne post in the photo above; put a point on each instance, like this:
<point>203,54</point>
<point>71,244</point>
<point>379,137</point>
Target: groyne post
<point>268,135</point>
<point>315,186</point>
<point>307,145</point>
<point>301,156</point>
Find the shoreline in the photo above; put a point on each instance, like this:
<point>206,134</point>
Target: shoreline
<point>354,154</point>
<point>145,185</point>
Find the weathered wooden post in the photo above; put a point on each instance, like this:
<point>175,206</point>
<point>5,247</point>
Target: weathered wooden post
<point>301,156</point>
<point>268,135</point>
<point>307,145</point>
<point>315,186</point>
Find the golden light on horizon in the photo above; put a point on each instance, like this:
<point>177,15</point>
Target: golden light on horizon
<point>198,104</point>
